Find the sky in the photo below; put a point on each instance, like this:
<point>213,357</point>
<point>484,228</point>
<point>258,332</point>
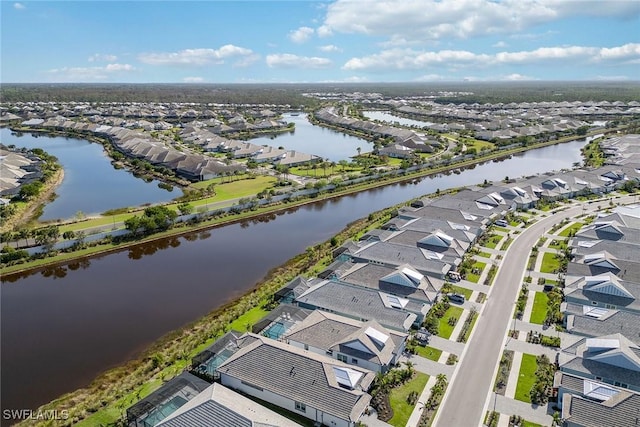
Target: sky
<point>327,41</point>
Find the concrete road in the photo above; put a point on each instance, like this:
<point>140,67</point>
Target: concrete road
<point>465,401</point>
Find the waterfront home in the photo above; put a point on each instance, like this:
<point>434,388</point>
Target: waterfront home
<point>362,304</point>
<point>321,389</point>
<point>365,344</point>
<point>218,406</point>
<point>165,401</point>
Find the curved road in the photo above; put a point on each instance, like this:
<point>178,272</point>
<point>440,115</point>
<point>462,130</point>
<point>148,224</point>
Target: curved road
<point>472,383</point>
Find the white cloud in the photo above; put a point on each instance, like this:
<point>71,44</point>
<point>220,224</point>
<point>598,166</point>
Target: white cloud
<point>89,74</point>
<point>193,79</point>
<point>98,57</point>
<point>410,59</point>
<point>500,45</point>
<point>195,57</point>
<point>301,35</point>
<point>324,31</point>
<point>428,20</point>
<point>288,60</point>
<point>330,48</point>
<point>515,77</point>
<point>19,6</point>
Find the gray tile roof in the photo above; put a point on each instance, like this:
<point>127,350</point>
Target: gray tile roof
<point>624,322</point>
<point>328,331</point>
<point>299,375</point>
<point>371,276</point>
<point>588,413</point>
<point>619,250</point>
<point>582,291</point>
<point>218,406</point>
<point>396,254</point>
<point>359,303</point>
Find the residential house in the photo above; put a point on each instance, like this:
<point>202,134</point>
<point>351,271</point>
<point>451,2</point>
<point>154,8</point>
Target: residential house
<point>324,390</point>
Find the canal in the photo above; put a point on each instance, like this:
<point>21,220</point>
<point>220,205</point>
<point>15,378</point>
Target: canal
<point>61,327</point>
<point>91,184</point>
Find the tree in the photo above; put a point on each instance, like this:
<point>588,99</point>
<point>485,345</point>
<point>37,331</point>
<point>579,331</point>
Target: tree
<point>68,235</point>
<point>359,150</point>
<point>185,208</point>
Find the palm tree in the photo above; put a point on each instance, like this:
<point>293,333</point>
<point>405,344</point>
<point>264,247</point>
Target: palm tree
<point>358,150</point>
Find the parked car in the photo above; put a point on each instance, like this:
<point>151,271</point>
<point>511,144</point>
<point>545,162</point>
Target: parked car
<point>501,223</point>
<point>457,298</point>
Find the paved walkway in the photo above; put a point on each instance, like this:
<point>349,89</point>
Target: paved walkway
<point>530,348</point>
<point>528,308</point>
<point>424,396</point>
<point>429,367</point>
<point>533,413</point>
<point>512,382</point>
<point>446,345</point>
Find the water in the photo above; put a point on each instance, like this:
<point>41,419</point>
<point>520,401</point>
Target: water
<point>91,184</point>
<point>62,326</point>
<point>390,118</point>
<point>317,140</point>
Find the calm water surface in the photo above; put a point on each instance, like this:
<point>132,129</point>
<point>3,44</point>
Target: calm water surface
<point>62,327</point>
<point>317,140</point>
<point>390,118</point>
<point>91,184</point>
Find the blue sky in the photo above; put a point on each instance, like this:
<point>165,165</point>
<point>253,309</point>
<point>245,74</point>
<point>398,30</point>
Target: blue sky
<point>331,41</point>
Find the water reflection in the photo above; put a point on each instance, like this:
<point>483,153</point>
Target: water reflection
<point>91,184</point>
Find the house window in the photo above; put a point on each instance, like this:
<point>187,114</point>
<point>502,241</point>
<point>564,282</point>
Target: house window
<point>611,306</point>
<point>301,407</point>
<point>354,360</point>
<point>594,302</point>
<point>330,352</point>
<point>342,358</point>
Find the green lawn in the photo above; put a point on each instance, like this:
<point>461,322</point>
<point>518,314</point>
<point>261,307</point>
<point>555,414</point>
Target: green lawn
<point>496,228</point>
<point>549,263</point>
<point>428,352</point>
<point>526,377</point>
<point>560,244</point>
<point>475,277</point>
<point>398,399</point>
<point>444,329</point>
<point>484,254</point>
<point>464,291</point>
<point>530,424</point>
<point>492,241</point>
<point>539,312</point>
<point>242,188</point>
<point>248,319</point>
<point>574,227</point>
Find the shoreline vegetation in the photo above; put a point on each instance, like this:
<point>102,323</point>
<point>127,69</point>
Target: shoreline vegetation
<point>399,177</point>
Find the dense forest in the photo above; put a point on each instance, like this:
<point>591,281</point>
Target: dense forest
<point>292,94</point>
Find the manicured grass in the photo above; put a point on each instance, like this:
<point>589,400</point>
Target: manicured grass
<point>496,228</point>
<point>526,377</point>
<point>444,329</point>
<point>484,254</point>
<point>573,228</point>
<point>248,319</point>
<point>475,277</point>
<point>428,352</point>
<point>464,291</point>
<point>560,244</point>
<point>539,312</point>
<point>530,424</point>
<point>549,263</point>
<point>398,399</point>
<point>492,241</point>
<point>242,188</point>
